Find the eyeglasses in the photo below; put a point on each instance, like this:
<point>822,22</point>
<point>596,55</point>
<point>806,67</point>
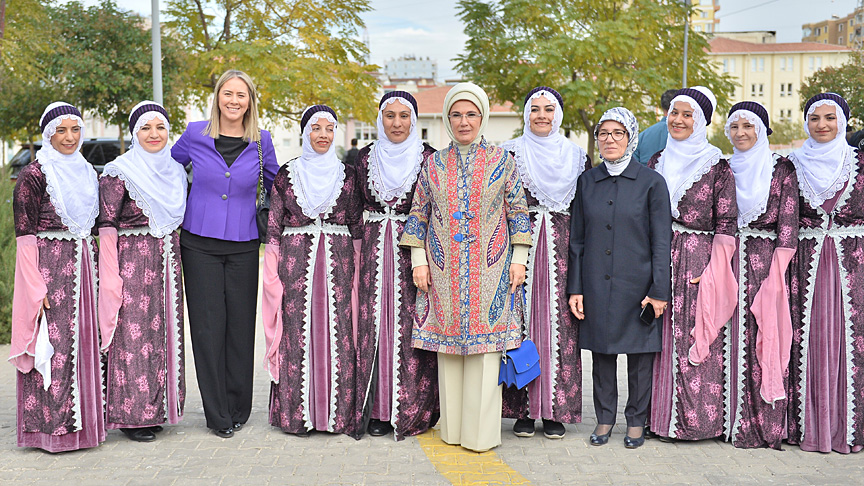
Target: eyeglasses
<point>617,135</point>
<point>471,116</point>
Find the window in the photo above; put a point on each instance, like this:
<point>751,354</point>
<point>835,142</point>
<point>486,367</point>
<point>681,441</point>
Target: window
<point>790,63</point>
<point>789,88</point>
<point>761,89</point>
<point>709,28</point>
<point>365,132</point>
<point>841,40</point>
<point>782,90</point>
<point>840,28</point>
<point>782,63</point>
<point>703,14</point>
<point>286,142</point>
<point>729,65</point>
<point>818,31</point>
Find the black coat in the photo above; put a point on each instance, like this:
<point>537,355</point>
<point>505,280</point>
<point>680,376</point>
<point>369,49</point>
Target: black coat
<point>620,252</point>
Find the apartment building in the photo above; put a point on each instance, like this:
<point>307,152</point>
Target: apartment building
<point>846,31</point>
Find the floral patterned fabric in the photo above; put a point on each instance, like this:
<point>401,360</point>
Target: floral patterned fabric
<point>68,415</point>
<point>145,375</point>
<point>467,212</point>
<point>690,402</point>
<point>756,423</point>
<point>291,398</point>
<point>413,372</point>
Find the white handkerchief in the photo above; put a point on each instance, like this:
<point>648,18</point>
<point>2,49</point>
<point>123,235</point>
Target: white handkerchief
<point>44,352</point>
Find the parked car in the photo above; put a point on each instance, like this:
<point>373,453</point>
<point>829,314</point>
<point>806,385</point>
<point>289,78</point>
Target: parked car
<point>97,151</point>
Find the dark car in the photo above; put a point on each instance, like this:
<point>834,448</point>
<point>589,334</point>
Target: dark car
<point>97,151</point>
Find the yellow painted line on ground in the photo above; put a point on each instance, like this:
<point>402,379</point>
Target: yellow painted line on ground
<point>463,467</point>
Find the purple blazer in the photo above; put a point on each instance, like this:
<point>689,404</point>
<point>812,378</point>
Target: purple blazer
<point>222,200</point>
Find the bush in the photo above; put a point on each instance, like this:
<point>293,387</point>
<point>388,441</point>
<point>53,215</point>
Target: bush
<point>7,255</point>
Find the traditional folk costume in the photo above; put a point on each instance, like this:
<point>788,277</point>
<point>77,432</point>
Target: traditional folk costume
<point>142,203</point>
<point>826,373</point>
<point>315,214</point>
<point>766,189</point>
<point>402,380</point>
<point>468,212</point>
<point>56,201</point>
<point>549,166</point>
<point>689,399</point>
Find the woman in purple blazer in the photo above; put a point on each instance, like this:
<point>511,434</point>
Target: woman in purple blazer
<point>219,246</point>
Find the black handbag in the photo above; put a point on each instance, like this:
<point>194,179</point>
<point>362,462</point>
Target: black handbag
<point>262,209</point>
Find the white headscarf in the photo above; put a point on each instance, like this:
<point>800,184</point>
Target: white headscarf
<point>823,168</point>
<point>468,92</point>
<point>685,162</point>
<point>393,167</point>
<point>625,117</point>
<point>549,165</point>
<point>156,182</point>
<point>753,169</point>
<point>73,185</point>
<point>320,176</point>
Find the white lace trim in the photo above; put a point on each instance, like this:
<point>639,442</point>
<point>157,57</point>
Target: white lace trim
<point>849,339</point>
<point>142,204</point>
<point>173,296</point>
<point>397,342</point>
<point>79,232</point>
<point>301,196</point>
<point>527,182</point>
<point>76,335</point>
<point>377,187</point>
<point>849,171</point>
<point>735,425</point>
<point>688,183</point>
<point>805,328</point>
<point>727,390</point>
<point>746,218</point>
<point>331,317</point>
<point>673,416</point>
<point>307,333</point>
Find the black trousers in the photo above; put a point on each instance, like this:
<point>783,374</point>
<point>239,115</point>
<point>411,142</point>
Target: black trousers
<point>222,297</point>
<point>640,367</point>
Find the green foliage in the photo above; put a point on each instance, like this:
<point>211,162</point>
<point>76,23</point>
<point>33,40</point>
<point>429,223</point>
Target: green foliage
<point>719,139</point>
<point>598,53</point>
<point>298,52</point>
<point>845,80</point>
<point>786,132</point>
<point>7,255</point>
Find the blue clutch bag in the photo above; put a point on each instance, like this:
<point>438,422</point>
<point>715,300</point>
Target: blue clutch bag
<point>519,366</point>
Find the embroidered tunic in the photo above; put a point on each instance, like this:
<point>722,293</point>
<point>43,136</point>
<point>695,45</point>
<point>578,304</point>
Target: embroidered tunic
<point>317,387</point>
<point>691,402</point>
<point>826,371</point>
<point>404,385</point>
<point>467,223</point>
<point>145,374</point>
<point>68,415</point>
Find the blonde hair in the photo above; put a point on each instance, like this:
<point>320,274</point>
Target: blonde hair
<point>250,118</point>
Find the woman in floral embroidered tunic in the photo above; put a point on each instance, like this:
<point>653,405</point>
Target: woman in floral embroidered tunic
<point>315,214</point>
<point>826,373</point>
<point>766,190</point>
<point>55,345</point>
<point>142,201</point>
<point>549,165</point>
<point>688,396</point>
<point>469,234</point>
<point>402,380</point>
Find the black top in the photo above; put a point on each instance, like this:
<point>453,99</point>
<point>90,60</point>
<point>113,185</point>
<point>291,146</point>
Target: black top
<point>230,147</point>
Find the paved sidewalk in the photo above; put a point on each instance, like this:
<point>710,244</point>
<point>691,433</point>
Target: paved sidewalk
<point>189,455</point>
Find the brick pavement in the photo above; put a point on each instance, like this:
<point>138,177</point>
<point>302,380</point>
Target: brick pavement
<point>189,455</point>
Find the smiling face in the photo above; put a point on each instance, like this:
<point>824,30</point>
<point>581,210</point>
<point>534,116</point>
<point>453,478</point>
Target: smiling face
<point>153,135</point>
<point>396,119</point>
<point>465,120</point>
<point>743,134</point>
<point>321,135</point>
<point>233,101</point>
<point>680,121</point>
<point>542,114</point>
<point>610,148</point>
<point>65,139</point>
<point>822,123</point>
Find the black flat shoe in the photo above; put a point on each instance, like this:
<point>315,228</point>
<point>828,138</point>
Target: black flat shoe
<point>553,429</point>
<point>600,439</point>
<point>377,428</point>
<point>433,420</point>
<point>140,435</point>
<point>524,428</point>
<point>225,433</point>
<point>237,426</point>
<point>303,434</point>
<point>156,429</point>
<point>634,442</point>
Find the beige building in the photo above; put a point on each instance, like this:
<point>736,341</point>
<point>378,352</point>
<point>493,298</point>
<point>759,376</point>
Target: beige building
<point>704,17</point>
<point>772,73</point>
<point>845,31</point>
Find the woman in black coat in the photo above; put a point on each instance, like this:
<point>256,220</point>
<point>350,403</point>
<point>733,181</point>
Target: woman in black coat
<point>620,236</point>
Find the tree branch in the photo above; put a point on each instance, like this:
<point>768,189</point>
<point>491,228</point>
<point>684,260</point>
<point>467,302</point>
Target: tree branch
<point>203,19</point>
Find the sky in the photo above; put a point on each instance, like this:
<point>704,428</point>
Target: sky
<point>432,28</point>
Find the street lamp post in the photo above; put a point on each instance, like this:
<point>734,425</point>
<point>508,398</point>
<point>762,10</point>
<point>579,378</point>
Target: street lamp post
<point>686,34</point>
<point>156,33</point>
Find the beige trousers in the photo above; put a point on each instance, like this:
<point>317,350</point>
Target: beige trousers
<point>470,398</point>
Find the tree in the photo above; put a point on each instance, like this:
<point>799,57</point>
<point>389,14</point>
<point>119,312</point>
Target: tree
<point>298,52</point>
<point>845,80</point>
<point>598,53</point>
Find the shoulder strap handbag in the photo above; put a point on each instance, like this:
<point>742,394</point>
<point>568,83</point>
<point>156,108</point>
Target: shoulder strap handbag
<point>519,366</point>
<point>262,209</point>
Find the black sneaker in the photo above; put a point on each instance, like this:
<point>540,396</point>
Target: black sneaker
<point>524,428</point>
<point>553,429</point>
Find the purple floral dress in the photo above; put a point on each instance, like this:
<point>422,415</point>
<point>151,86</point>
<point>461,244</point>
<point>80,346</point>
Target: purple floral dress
<point>557,393</point>
<point>756,423</point>
<point>145,375</point>
<point>826,370</point>
<point>318,386</point>
<point>68,415</point>
<point>692,402</point>
<point>402,380</point>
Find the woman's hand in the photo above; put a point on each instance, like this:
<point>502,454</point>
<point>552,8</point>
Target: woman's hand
<point>45,305</point>
<point>696,280</point>
<point>422,278</point>
<point>659,305</point>
<point>517,276</point>
<point>576,306</point>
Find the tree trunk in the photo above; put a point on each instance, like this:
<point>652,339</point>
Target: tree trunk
<point>2,19</point>
<point>122,141</point>
<point>589,129</point>
<point>32,150</point>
